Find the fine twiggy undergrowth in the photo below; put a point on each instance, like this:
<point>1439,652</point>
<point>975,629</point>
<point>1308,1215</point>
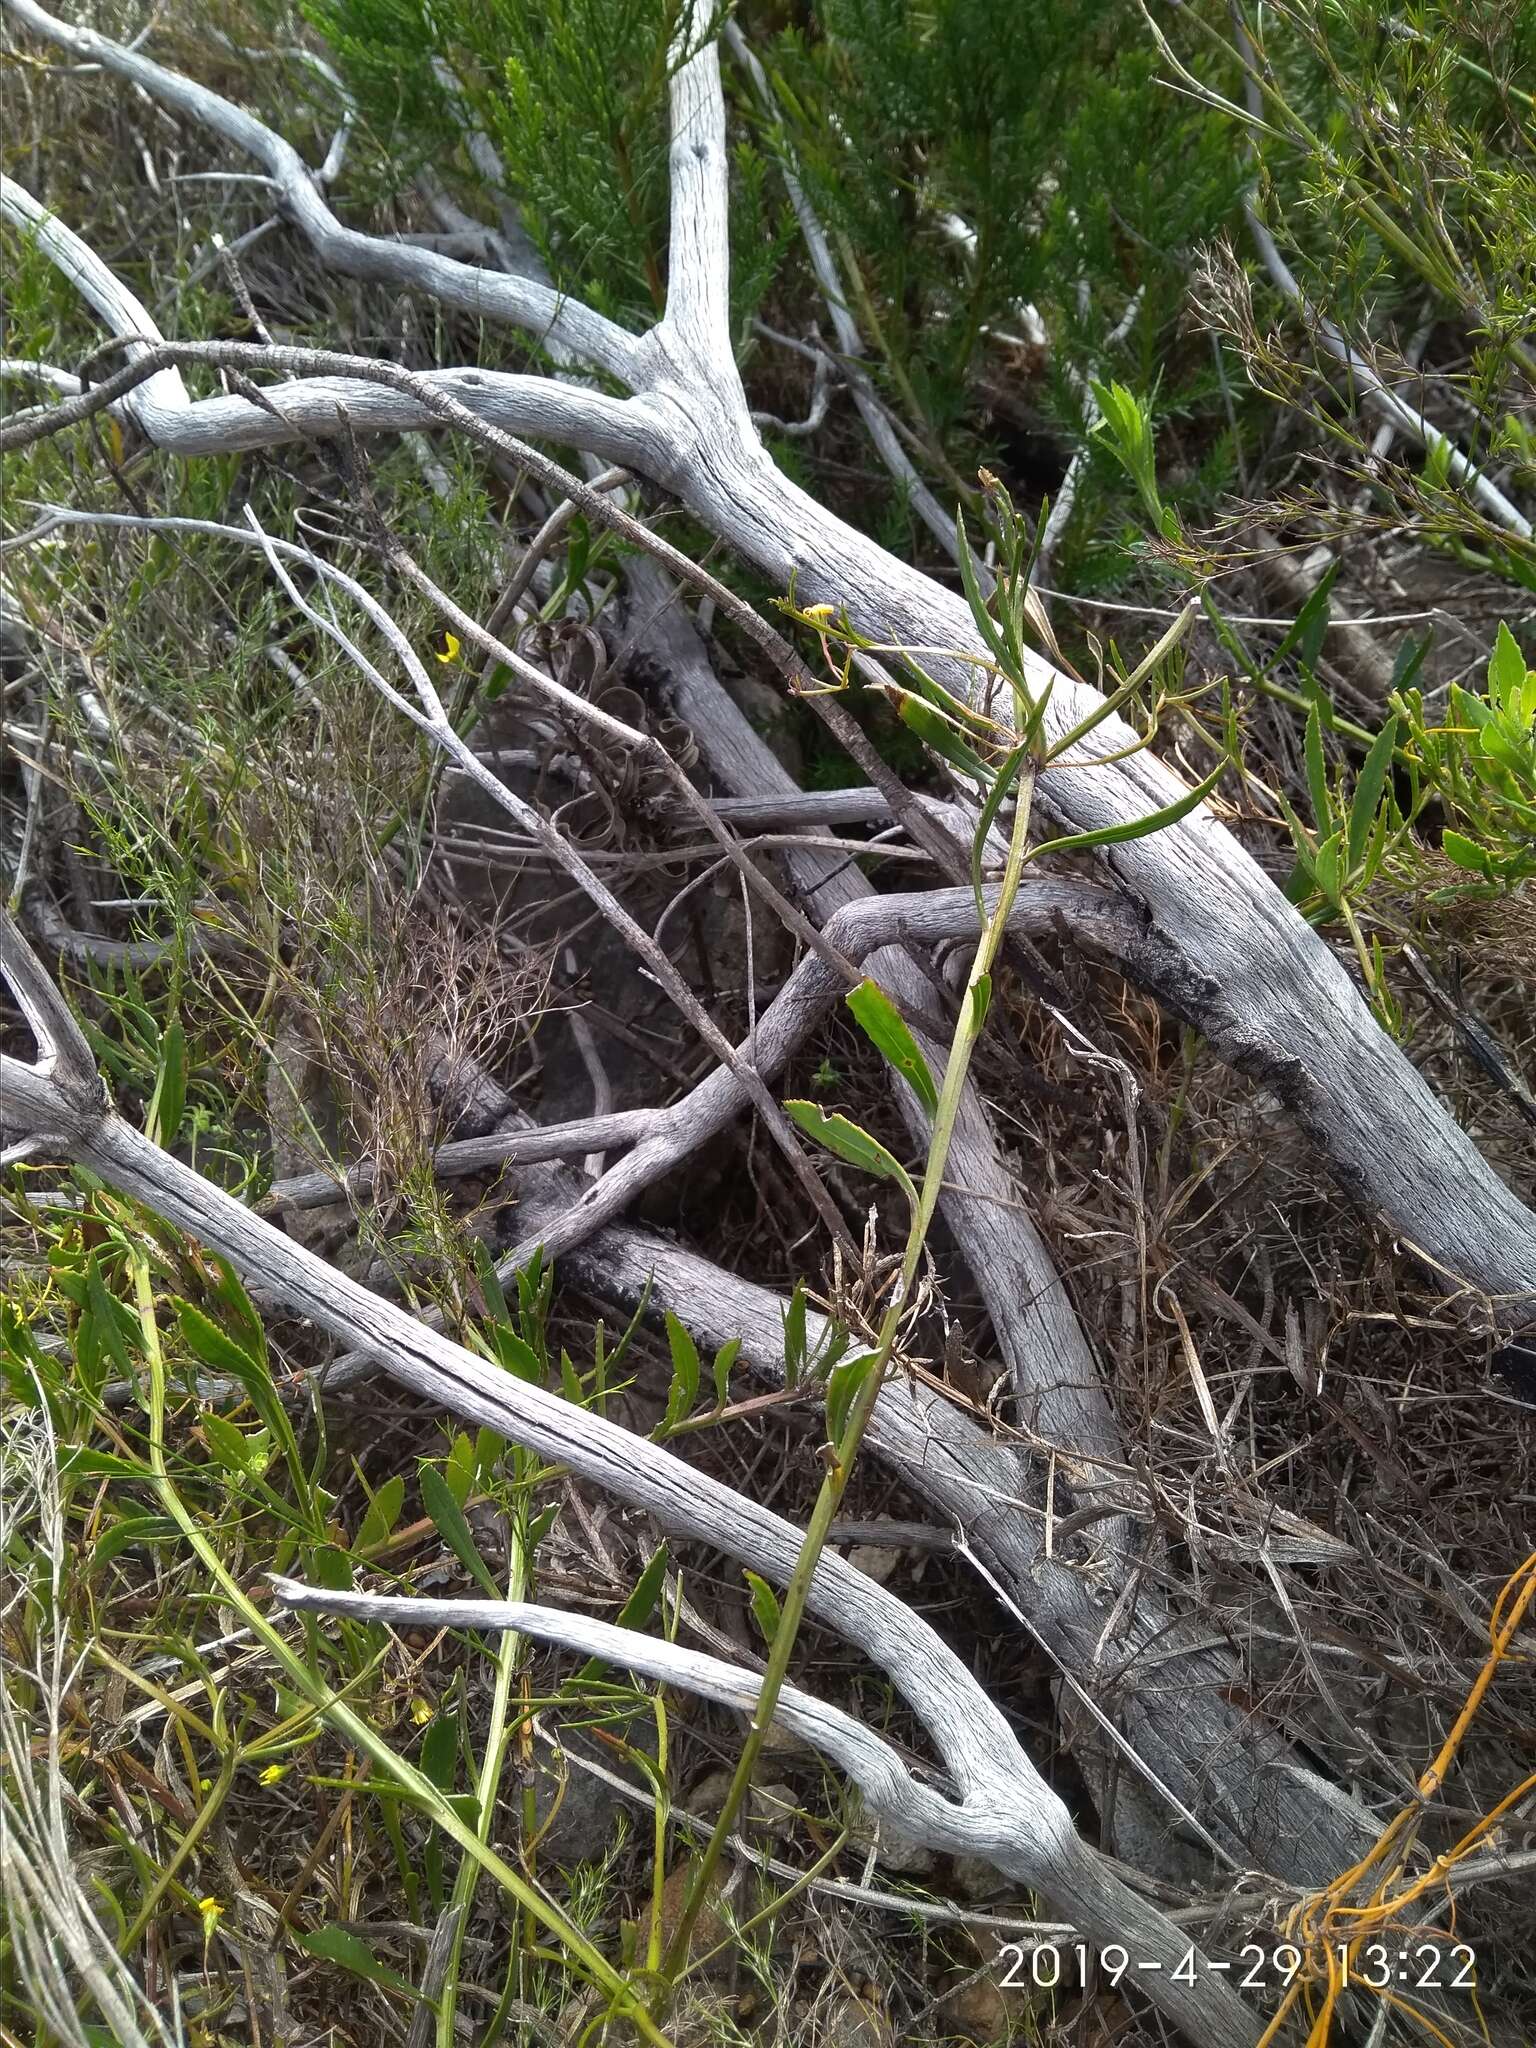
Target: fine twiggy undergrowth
<point>783,766</point>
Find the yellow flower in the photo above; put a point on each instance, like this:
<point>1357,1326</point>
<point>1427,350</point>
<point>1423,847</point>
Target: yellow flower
<point>272,1774</point>
<point>211,1913</point>
<point>422,1711</point>
<point>449,651</point>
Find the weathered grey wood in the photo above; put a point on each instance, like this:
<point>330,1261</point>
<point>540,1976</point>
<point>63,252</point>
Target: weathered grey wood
<point>1054,1373</point>
<point>1253,976</point>
<point>1168,1688</point>
<point>1003,1806</point>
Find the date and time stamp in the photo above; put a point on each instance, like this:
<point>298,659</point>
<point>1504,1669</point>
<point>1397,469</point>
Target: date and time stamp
<point>1374,1966</point>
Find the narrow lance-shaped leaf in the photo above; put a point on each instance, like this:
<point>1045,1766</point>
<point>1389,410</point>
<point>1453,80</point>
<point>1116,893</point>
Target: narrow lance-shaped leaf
<point>850,1142</point>
<point>1312,621</point>
<point>114,1326</point>
<point>886,1029</point>
<point>725,1358</point>
<point>636,1612</point>
<point>997,795</point>
<point>383,1513</point>
<point>1325,868</point>
<point>1305,633</point>
<point>794,1337</point>
<point>1506,670</point>
<point>1136,828</point>
<point>643,1601</point>
<point>1367,797</point>
<point>1410,659</point>
<point>349,1952</point>
<point>842,1391</point>
<point>684,1390</point>
<point>459,1467</point>
<point>1317,774</point>
<point>986,625</point>
<point>440,1748</point>
<point>935,731</point>
<point>765,1606</point>
<point>452,1527</point>
<point>167,1104</point>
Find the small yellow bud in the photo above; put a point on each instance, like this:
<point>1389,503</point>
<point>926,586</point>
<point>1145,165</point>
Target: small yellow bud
<point>273,1774</point>
<point>818,612</point>
<point>422,1711</point>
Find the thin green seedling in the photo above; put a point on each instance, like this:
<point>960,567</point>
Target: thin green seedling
<point>854,1387</point>
<point>509,1654</point>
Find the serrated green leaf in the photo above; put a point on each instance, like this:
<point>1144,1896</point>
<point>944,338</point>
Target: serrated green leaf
<point>511,1353</point>
<point>81,1462</point>
<point>1466,854</point>
<point>1301,838</point>
<point>216,1349</point>
<point>765,1606</point>
<point>129,1533</point>
<point>230,1293</point>
<point>448,1517</point>
<point>245,1457</point>
<point>886,1029</point>
<point>1468,709</point>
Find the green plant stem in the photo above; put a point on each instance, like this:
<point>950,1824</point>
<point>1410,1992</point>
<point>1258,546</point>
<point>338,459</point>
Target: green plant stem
<point>349,1725</point>
<point>829,1499</point>
<point>492,1760</point>
<point>776,1906</point>
<point>660,1818</point>
<point>204,1819</point>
